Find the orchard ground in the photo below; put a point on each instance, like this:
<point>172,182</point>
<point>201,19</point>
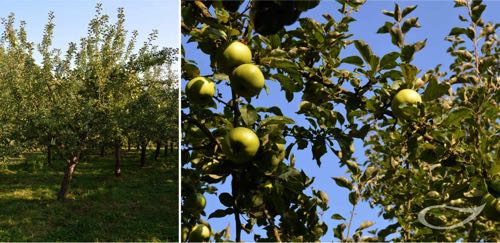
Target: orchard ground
<point>141,205</point>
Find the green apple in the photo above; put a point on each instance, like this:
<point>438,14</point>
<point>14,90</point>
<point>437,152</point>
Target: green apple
<point>200,90</point>
<point>234,55</point>
<point>240,145</point>
<point>196,202</point>
<point>247,80</point>
<point>185,233</point>
<point>199,233</point>
<point>408,97</point>
<point>271,159</point>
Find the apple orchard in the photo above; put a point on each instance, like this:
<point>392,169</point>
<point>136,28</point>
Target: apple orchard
<point>431,136</point>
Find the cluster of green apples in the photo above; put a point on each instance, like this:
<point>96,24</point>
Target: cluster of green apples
<point>200,232</point>
<point>246,79</point>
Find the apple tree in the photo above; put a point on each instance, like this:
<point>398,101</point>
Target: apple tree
<point>430,134</point>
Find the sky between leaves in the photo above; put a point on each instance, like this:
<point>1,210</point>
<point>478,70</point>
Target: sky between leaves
<point>436,17</point>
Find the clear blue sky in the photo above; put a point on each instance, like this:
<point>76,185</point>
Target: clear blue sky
<point>72,17</point>
<point>436,17</point>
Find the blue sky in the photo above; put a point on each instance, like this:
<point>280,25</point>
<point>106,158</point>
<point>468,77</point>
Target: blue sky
<point>436,17</point>
<point>72,17</point>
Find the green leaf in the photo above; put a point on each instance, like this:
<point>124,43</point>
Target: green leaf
<point>355,60</point>
<point>434,89</point>
<point>374,63</point>
<point>389,60</point>
<point>354,197</point>
<point>364,50</point>
<point>343,182</point>
<point>456,117</point>
<point>248,114</point>
<point>385,28</point>
<point>337,216</point>
<point>338,232</point>
<point>221,213</point>
<point>353,167</point>
<point>408,10</point>
<point>410,23</point>
<point>276,120</point>
<point>409,72</point>
<point>397,37</point>
<point>477,11</point>
<point>457,31</point>
<point>388,13</point>
<point>365,225</point>
<point>226,199</point>
<point>397,12</point>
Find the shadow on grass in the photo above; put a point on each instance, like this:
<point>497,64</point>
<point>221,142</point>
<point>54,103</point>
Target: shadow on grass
<point>141,205</point>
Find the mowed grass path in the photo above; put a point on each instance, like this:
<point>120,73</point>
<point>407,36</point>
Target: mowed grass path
<point>141,205</point>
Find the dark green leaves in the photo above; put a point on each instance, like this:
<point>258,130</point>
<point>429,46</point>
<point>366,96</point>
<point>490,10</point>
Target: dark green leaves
<point>389,60</point>
<point>435,90</point>
<point>408,10</point>
<point>248,114</point>
<point>221,213</point>
<point>410,23</point>
<point>408,51</point>
<point>226,199</point>
<point>457,116</point>
<point>365,50</point>
<point>276,120</point>
<point>355,60</point>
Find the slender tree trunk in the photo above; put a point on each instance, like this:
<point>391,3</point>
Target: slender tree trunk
<point>103,150</point>
<point>129,145</point>
<point>49,154</point>
<point>68,175</point>
<point>118,158</point>
<point>171,147</point>
<point>158,148</point>
<point>143,153</point>
<point>138,146</point>
<point>165,150</point>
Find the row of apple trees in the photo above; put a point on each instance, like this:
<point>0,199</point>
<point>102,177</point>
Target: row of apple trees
<point>431,135</point>
<point>101,92</point>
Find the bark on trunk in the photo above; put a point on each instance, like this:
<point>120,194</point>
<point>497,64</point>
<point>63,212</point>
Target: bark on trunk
<point>129,145</point>
<point>49,154</point>
<point>103,150</point>
<point>171,147</point>
<point>118,158</point>
<point>143,154</point>
<point>158,148</point>
<point>165,150</point>
<point>68,175</point>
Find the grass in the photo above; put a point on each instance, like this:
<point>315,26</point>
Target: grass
<point>141,205</point>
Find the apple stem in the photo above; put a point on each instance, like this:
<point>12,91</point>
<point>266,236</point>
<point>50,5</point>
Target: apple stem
<point>236,109</point>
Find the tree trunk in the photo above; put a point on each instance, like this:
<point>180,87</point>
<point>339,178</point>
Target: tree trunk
<point>118,158</point>
<point>138,146</point>
<point>166,149</point>
<point>68,175</point>
<point>103,150</point>
<point>129,145</point>
<point>49,154</point>
<point>143,153</point>
<point>158,148</point>
<point>171,147</point>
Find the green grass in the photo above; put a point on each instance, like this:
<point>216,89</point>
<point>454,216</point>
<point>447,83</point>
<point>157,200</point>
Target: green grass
<point>141,205</point>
